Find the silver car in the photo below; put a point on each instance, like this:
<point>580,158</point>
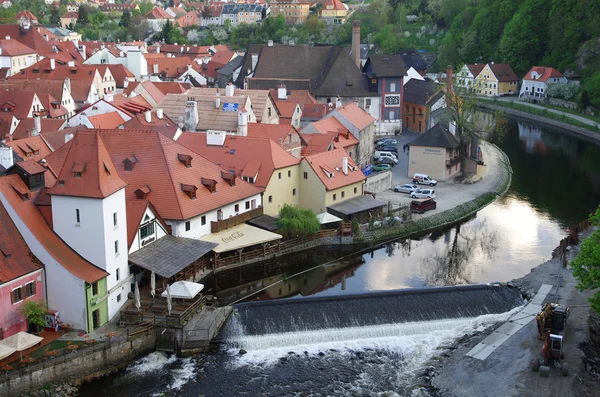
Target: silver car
<point>406,188</point>
<point>423,193</point>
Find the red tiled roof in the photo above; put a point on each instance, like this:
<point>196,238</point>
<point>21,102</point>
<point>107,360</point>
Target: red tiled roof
<point>165,126</point>
<point>135,212</point>
<point>278,133</point>
<point>108,120</point>
<point>43,70</point>
<point>158,167</point>
<point>355,115</point>
<point>6,121</point>
<point>317,143</point>
<point>223,57</point>
<point>87,170</point>
<point>158,13</point>
<point>16,102</point>
<point>476,68</point>
<point>32,148</point>
<point>330,161</point>
<point>47,101</point>
<point>168,67</point>
<point>13,48</point>
<point>191,18</point>
<point>26,125</point>
<point>119,72</point>
<point>31,38</point>
<point>70,15</point>
<point>130,106</point>
<point>285,109</point>
<point>36,224</point>
<point>15,258</point>
<point>243,155</point>
<point>52,87</point>
<point>31,167</point>
<point>503,72</point>
<point>56,140</point>
<point>341,137</point>
<point>544,72</point>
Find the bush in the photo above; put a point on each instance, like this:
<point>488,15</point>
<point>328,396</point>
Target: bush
<point>35,312</point>
<point>295,220</point>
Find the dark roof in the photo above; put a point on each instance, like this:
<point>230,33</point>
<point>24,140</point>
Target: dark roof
<point>265,222</point>
<point>330,70</point>
<point>503,72</point>
<point>270,84</point>
<point>364,51</point>
<point>231,67</point>
<point>436,136</point>
<point>247,63</point>
<point>414,60</point>
<point>387,65</point>
<point>356,205</point>
<point>418,91</point>
<point>170,255</point>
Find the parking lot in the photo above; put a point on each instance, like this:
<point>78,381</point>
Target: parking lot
<point>447,194</point>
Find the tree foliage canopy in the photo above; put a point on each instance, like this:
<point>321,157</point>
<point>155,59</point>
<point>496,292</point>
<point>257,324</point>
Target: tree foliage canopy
<point>35,312</point>
<point>296,220</point>
<point>586,265</point>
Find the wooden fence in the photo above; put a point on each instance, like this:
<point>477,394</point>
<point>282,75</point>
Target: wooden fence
<point>571,239</point>
<point>218,226</point>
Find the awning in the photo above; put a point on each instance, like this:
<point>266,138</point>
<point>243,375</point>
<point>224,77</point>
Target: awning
<point>265,222</point>
<point>184,290</point>
<point>240,236</point>
<point>356,205</point>
<point>6,351</point>
<point>169,255</point>
<point>326,217</point>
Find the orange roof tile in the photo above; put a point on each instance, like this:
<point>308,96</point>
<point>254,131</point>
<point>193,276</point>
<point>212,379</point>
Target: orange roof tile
<point>285,109</point>
<point>13,48</point>
<point>36,224</point>
<point>355,115</point>
<point>119,72</point>
<point>52,87</point>
<point>87,170</point>
<point>158,13</point>
<point>27,126</point>
<point>108,120</point>
<point>331,160</point>
<point>15,260</point>
<point>17,102</point>
<point>165,126</point>
<point>544,72</point>
<point>52,105</point>
<point>276,132</point>
<point>135,212</point>
<point>33,148</point>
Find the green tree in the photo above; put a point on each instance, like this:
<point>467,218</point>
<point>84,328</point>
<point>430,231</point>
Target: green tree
<point>296,220</point>
<point>145,7</point>
<point>586,265</point>
<point>35,312</point>
<point>314,26</point>
<point>83,15</point>
<point>125,18</point>
<point>584,100</point>
<point>55,16</point>
<point>166,31</point>
<point>592,86</point>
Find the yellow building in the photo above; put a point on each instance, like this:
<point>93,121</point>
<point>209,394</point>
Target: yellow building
<point>295,11</point>
<point>496,79</point>
<point>16,56</point>
<point>335,11</point>
<point>329,178</point>
<point>435,153</point>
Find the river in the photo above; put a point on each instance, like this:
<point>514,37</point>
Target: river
<point>556,183</point>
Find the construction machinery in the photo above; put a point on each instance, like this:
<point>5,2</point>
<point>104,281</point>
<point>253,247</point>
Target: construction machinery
<point>553,318</point>
<point>552,354</point>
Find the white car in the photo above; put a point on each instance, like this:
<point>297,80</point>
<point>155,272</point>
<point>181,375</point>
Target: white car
<point>423,193</point>
<point>406,188</point>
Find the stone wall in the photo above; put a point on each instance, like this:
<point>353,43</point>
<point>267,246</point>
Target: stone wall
<point>379,182</point>
<point>77,365</point>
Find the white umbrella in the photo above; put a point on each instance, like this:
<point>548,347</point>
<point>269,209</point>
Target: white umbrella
<point>153,284</point>
<point>138,302</point>
<point>326,217</point>
<point>169,303</point>
<point>6,351</point>
<point>184,290</point>
<point>21,341</point>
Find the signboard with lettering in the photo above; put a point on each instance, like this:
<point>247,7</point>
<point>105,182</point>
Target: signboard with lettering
<point>435,152</point>
<point>230,107</point>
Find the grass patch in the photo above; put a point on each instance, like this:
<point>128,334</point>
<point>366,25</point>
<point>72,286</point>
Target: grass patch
<point>59,346</point>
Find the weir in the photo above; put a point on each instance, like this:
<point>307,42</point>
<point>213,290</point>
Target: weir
<point>378,308</point>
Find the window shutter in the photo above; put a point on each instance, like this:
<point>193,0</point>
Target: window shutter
<point>12,297</point>
<point>33,288</point>
<point>23,292</point>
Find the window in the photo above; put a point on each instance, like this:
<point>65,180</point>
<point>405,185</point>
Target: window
<point>119,298</point>
<point>220,215</point>
<point>279,175</point>
<point>355,190</point>
<point>77,218</point>
<point>368,102</point>
<point>94,289</point>
<point>16,295</point>
<point>293,192</point>
<point>392,115</point>
<point>271,199</point>
<point>334,197</point>
<point>306,175</point>
<point>289,174</point>
<point>248,202</point>
<point>115,224</point>
<point>203,220</point>
<point>269,110</point>
<point>392,87</point>
<point>147,230</point>
<point>30,289</point>
<point>117,274</point>
<point>237,208</point>
<point>116,247</point>
<point>188,226</point>
<point>343,194</point>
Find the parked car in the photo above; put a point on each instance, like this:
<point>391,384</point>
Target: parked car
<point>406,188</point>
<point>392,149</point>
<point>424,179</point>
<point>421,206</point>
<point>387,160</point>
<point>382,167</point>
<point>387,142</point>
<point>377,155</point>
<point>423,193</point>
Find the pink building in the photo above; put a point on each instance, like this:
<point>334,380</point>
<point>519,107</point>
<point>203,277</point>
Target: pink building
<point>21,277</point>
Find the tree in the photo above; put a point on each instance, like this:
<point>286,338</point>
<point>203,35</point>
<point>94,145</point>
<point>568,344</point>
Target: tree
<point>83,16</point>
<point>166,31</point>
<point>145,7</point>
<point>206,11</point>
<point>586,265</point>
<point>35,312</point>
<point>125,18</point>
<point>55,16</point>
<point>314,26</point>
<point>592,86</point>
<point>296,220</point>
<point>584,100</point>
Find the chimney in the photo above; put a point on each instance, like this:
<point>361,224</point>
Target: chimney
<point>37,121</point>
<point>218,100</point>
<point>155,68</point>
<point>109,98</point>
<point>71,64</point>
<point>242,123</point>
<point>281,92</point>
<point>191,114</point>
<point>6,156</point>
<point>345,165</point>
<point>159,113</point>
<point>148,116</point>
<point>125,83</point>
<point>270,43</point>
<point>254,61</point>
<point>52,63</point>
<point>215,138</point>
<point>229,90</point>
<point>356,42</point>
<point>338,103</point>
<point>158,48</point>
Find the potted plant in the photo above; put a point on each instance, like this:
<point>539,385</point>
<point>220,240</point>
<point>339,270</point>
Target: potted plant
<point>35,313</point>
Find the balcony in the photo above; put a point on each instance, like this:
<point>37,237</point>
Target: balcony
<point>219,226</point>
<point>453,161</point>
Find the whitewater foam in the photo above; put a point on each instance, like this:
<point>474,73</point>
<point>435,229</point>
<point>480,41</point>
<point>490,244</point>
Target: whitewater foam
<point>184,374</point>
<point>153,362</point>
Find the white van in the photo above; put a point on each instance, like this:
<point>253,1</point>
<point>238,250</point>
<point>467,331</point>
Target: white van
<point>424,179</point>
<point>390,155</point>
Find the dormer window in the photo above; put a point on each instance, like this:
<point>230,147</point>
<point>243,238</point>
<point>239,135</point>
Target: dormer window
<point>23,193</point>
<point>143,192</point>
<point>229,177</point>
<point>129,162</point>
<point>185,159</point>
<point>78,170</point>
<point>107,168</point>
<point>190,190</point>
<point>210,184</point>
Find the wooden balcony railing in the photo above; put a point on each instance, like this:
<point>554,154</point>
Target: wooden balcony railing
<point>218,226</point>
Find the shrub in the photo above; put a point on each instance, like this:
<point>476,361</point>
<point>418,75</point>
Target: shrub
<point>295,220</point>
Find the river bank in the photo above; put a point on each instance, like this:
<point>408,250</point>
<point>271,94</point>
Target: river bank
<point>506,371</point>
